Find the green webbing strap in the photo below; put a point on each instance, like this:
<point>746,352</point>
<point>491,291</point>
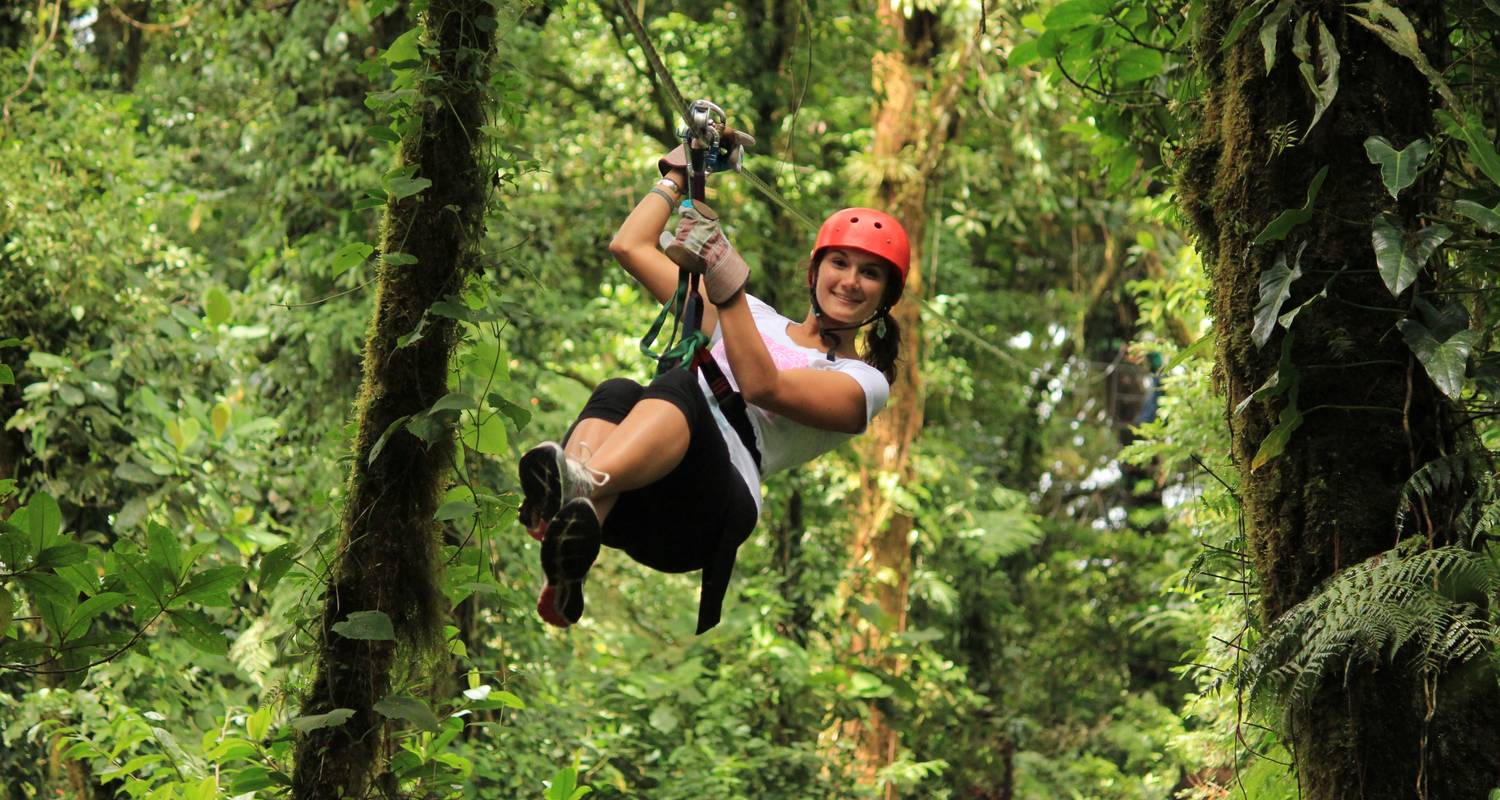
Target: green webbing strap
<point>681,354</point>
<point>668,308</point>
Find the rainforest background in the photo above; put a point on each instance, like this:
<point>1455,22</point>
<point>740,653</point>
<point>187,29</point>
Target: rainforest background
<point>1185,489</point>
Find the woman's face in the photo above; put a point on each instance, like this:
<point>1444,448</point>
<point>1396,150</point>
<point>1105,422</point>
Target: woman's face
<point>850,284</point>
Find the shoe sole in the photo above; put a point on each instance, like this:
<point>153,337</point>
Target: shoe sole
<point>573,539</point>
<point>540,488</point>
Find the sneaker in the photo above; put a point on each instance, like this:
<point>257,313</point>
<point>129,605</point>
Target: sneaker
<point>568,551</point>
<point>549,478</point>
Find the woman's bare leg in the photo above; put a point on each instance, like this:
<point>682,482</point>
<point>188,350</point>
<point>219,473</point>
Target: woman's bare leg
<point>643,448</point>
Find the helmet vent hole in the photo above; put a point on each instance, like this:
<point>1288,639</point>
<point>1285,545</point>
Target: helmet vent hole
<point>877,225</point>
<point>854,220</point>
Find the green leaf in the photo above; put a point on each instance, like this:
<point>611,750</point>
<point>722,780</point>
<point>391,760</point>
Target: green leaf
<point>313,722</point>
<point>1323,88</point>
<point>455,509</point>
<point>1488,218</point>
<point>520,416</point>
<point>455,401</point>
<point>390,429</point>
<point>211,587</point>
<point>563,784</point>
<point>45,519</point>
<point>7,611</point>
<point>488,437</point>
<point>411,709</point>
<point>383,133</point>
<point>1398,168</point>
<point>1275,288</point>
<point>1270,31</point>
<point>1397,32</point>
<point>1204,344</point>
<point>199,631</point>
<point>1292,217</point>
<point>1400,257</point>
<point>399,259</point>
<point>1276,441</point>
<point>1022,54</point>
<point>406,187</point>
<point>404,49</point>
<point>1470,129</point>
<point>274,565</point>
<point>90,608</point>
<point>366,625</point>
<point>216,306</point>
<point>135,473</point>
<point>10,341</point>
<point>350,256</point>
<point>61,555</point>
<point>1445,361</point>
<point>1137,64</point>
<point>507,699</point>
<point>7,378</point>
<point>1071,14</point>
<point>1242,20</point>
<point>163,548</point>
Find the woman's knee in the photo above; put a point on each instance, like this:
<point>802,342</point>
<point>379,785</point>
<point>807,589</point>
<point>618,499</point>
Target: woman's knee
<point>612,399</point>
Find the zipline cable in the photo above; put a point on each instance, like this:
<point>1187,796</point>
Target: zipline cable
<point>669,86</point>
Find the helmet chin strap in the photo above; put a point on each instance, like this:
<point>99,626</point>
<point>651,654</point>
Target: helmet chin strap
<point>826,332</point>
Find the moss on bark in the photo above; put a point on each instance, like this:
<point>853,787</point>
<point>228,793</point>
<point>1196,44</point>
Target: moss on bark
<point>1372,417</point>
<point>386,558</point>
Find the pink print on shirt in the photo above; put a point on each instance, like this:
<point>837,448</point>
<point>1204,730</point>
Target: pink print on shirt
<point>783,356</point>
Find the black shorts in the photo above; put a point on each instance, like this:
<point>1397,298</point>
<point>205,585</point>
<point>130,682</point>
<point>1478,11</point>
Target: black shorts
<point>697,515</point>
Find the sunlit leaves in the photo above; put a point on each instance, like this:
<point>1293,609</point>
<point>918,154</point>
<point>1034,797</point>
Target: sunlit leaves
<point>1487,218</point>
<point>1401,256</point>
<point>1276,441</point>
<point>1471,131</point>
<point>216,306</point>
<point>349,256</point>
<point>1398,168</point>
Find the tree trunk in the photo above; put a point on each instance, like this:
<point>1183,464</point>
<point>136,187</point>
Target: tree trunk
<point>386,555</point>
<point>1372,416</point>
<point>914,130</point>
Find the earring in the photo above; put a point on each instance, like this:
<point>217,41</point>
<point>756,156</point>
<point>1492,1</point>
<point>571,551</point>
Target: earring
<point>880,327</point>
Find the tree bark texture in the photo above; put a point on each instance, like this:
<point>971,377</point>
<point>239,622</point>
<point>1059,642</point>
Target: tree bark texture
<point>911,129</point>
<point>386,558</point>
<point>1372,417</point>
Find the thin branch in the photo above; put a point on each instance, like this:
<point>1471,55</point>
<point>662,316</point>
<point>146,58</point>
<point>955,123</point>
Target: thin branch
<point>36,56</point>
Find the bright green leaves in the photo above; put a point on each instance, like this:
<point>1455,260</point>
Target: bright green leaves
<point>1321,74</point>
<point>1401,256</point>
<point>1275,289</point>
<point>350,256</point>
<point>216,306</point>
<point>1292,217</point>
<point>1398,168</point>
<point>564,785</point>
<point>1443,345</point>
<point>404,51</point>
<point>1276,441</point>
<point>312,722</point>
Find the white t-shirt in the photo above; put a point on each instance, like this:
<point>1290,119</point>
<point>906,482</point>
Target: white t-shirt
<point>782,442</point>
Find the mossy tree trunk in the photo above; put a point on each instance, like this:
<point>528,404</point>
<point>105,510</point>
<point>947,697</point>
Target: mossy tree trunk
<point>386,559</point>
<point>1371,415</point>
<point>912,127</point>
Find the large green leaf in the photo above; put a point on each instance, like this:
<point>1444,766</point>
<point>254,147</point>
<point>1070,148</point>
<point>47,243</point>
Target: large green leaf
<point>1445,361</point>
<point>1286,377</point>
<point>1138,64</point>
<point>1488,218</point>
<point>211,587</point>
<point>1401,257</point>
<point>366,625</point>
<point>1292,217</point>
<point>313,722</point>
<point>1275,288</point>
<point>199,631</point>
<point>1398,168</point>
<point>411,709</point>
<point>1242,20</point>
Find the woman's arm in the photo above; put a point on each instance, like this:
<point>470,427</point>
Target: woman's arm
<point>814,397</point>
<point>635,246</point>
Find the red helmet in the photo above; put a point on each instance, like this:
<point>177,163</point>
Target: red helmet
<point>874,232</point>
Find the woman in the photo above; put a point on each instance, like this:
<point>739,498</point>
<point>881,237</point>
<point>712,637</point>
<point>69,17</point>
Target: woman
<point>669,473</point>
